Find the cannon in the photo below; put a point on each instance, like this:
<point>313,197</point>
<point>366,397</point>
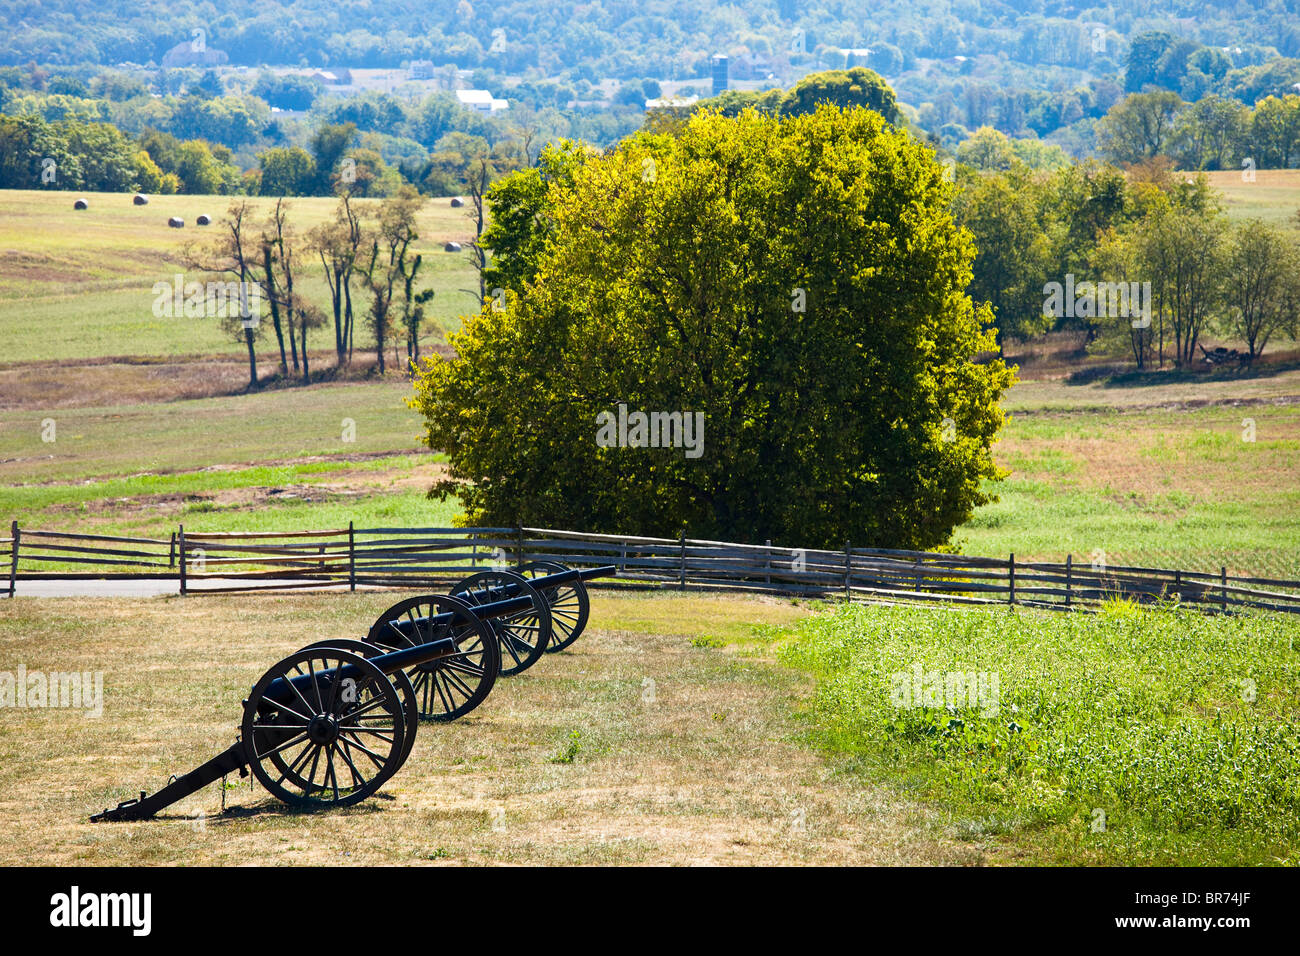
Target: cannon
<point>552,621</point>
<point>328,725</point>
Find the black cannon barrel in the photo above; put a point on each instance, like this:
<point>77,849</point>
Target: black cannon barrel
<point>557,579</point>
<point>410,627</point>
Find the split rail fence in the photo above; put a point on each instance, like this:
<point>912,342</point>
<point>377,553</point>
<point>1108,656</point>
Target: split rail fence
<point>225,562</point>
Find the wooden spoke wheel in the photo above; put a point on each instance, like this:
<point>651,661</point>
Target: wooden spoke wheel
<point>568,602</point>
<point>523,636</point>
<point>410,706</point>
<point>452,686</point>
<point>323,728</point>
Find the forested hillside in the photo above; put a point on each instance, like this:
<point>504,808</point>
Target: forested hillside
<point>622,37</point>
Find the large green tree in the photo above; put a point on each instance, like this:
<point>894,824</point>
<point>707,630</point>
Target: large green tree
<point>843,88</point>
<point>796,286</point>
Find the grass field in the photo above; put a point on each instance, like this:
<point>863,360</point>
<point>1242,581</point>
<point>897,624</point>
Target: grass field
<point>646,742</point>
<point>294,458</point>
<point>1164,484</point>
<point>1130,737</point>
<point>1273,195</point>
<point>690,729</point>
<point>77,285</point>
<point>1151,474</point>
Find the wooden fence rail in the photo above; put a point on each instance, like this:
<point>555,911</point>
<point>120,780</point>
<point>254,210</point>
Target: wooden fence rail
<point>351,557</point>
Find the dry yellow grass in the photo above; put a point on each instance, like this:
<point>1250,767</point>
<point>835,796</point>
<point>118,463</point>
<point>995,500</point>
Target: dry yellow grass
<point>663,736</point>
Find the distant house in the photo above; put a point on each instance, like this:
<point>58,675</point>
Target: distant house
<point>481,100</point>
<point>422,69</point>
<point>750,66</point>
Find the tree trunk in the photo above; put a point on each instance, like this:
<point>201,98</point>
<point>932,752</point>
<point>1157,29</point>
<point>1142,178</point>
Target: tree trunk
<point>347,298</point>
<point>338,314</point>
<point>275,308</point>
<point>306,372</point>
<point>289,310</point>
<point>252,359</point>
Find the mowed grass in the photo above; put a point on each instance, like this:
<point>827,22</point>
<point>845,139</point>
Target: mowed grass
<point>77,285</point>
<point>646,742</point>
<point>268,461</point>
<point>1130,737</point>
<point>115,440</point>
<point>1273,195</point>
<point>1179,471</point>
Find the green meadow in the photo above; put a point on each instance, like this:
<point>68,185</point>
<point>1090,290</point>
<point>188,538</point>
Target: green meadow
<point>1129,737</point>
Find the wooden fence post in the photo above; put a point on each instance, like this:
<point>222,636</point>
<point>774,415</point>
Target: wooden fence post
<point>180,538</point>
<point>1223,584</point>
<point>1011,579</point>
<point>352,559</point>
<point>1069,561</point>
<point>682,582</point>
<point>171,552</point>
<point>848,572</point>
<point>13,560</point>
<point>519,563</point>
<point>769,561</point>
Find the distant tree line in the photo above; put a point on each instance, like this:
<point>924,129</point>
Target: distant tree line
<point>1047,68</point>
<point>955,98</point>
<point>1214,132</point>
<point>74,154</point>
<point>1079,225</point>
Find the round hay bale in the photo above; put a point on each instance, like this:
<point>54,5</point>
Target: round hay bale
<point>140,199</point>
<point>176,222</point>
<point>451,247</point>
<point>457,202</point>
<point>203,220</point>
<point>81,204</point>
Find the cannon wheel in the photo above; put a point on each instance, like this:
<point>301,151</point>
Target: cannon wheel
<point>410,706</point>
<point>569,604</point>
<point>523,636</point>
<point>449,687</point>
<point>340,744</point>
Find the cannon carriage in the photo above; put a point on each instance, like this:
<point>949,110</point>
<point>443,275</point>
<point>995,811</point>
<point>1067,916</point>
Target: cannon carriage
<point>328,725</point>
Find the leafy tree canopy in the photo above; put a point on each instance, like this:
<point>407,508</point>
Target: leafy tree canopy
<point>798,283</point>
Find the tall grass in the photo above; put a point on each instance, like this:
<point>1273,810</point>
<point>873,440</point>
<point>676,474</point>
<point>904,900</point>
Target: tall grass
<point>1130,736</point>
